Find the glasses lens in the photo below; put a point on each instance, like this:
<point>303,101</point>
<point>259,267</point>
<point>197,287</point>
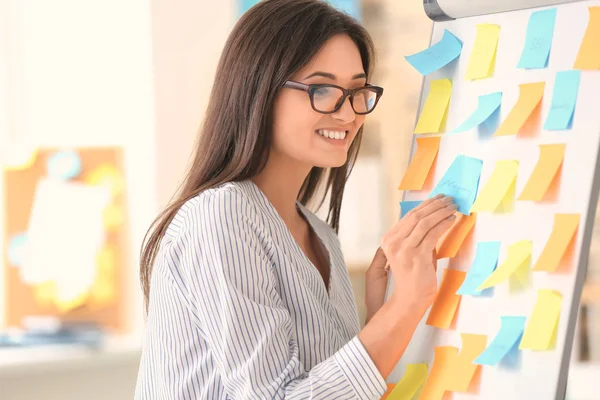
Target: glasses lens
<point>364,100</point>
<point>326,98</point>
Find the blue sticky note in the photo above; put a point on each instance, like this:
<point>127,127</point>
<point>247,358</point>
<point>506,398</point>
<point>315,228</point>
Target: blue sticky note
<point>564,99</point>
<point>510,333</point>
<point>485,262</point>
<point>64,165</point>
<point>406,206</point>
<point>538,41</point>
<point>16,250</point>
<point>438,55</point>
<point>461,181</point>
<point>245,5</point>
<point>487,105</point>
<point>350,7</point>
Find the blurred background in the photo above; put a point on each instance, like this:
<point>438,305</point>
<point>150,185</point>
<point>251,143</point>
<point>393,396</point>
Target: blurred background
<point>107,96</point>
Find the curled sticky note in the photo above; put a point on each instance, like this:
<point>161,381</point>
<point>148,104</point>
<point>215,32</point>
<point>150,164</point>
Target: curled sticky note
<point>530,96</point>
<point>461,181</point>
<point>542,325</point>
<point>436,382</point>
<point>487,105</point>
<point>410,383</point>
<point>564,99</point>
<point>435,110</point>
<point>538,40</point>
<point>511,331</point>
<point>499,189</point>
<point>589,51</point>
<point>483,55</point>
<point>544,173</point>
<point>563,232</point>
<point>484,264</point>
<point>64,165</point>
<point>420,165</point>
<point>517,260</point>
<point>453,239</point>
<point>446,303</point>
<point>436,56</point>
<point>459,377</point>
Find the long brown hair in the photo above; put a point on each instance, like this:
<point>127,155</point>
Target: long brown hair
<point>269,44</point>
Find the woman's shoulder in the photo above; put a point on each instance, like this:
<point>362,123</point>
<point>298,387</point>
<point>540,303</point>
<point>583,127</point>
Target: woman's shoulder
<point>212,208</point>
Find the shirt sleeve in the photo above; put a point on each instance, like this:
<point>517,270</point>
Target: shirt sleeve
<point>224,261</point>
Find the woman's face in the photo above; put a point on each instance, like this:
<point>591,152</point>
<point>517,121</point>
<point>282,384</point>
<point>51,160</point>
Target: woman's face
<point>303,134</point>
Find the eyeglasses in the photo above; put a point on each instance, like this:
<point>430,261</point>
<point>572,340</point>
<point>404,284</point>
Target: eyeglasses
<point>328,99</point>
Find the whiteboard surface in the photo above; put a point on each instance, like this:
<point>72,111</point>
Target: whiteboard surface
<point>538,376</point>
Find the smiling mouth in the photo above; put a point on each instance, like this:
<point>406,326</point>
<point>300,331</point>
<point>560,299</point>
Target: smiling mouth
<point>329,134</point>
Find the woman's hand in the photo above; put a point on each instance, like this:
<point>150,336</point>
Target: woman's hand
<point>409,248</point>
<point>376,280</point>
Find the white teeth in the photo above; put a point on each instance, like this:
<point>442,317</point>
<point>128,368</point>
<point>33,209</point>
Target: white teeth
<point>332,134</point>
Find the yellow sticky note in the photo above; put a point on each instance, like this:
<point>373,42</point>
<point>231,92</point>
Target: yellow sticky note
<point>107,175</point>
<point>112,217</point>
<point>498,188</point>
<point>452,241</point>
<point>589,51</point>
<point>563,232</point>
<point>518,258</point>
<point>435,109</point>
<point>435,385</point>
<point>530,95</point>
<point>420,165</point>
<point>410,383</point>
<point>540,332</point>
<point>545,171</point>
<point>459,377</point>
<point>446,303</point>
<point>483,56</point>
<point>18,157</point>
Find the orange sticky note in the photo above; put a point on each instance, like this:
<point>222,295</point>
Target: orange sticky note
<point>542,325</point>
<point>446,303</point>
<point>589,51</point>
<point>545,171</point>
<point>563,232</point>
<point>459,377</point>
<point>530,95</point>
<point>390,387</point>
<point>435,385</point>
<point>420,165</point>
<point>452,240</point>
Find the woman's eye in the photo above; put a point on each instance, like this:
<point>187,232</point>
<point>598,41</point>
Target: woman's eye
<point>323,92</point>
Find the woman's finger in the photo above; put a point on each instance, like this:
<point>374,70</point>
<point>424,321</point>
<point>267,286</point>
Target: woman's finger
<point>433,236</point>
<point>425,225</point>
<point>407,224</point>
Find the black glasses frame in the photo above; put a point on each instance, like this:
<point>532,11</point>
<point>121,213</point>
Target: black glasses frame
<point>311,89</point>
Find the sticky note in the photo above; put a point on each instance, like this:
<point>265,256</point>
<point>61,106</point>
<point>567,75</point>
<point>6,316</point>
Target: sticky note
<point>18,157</point>
<point>486,106</point>
<point>500,187</point>
<point>446,303</point>
<point>484,264</point>
<point>589,51</point>
<point>410,383</point>
<point>519,257</point>
<point>538,40</point>
<point>530,95</point>
<point>453,239</point>
<point>107,175</point>
<point>435,385</point>
<point>511,331</point>
<point>406,206</point>
<point>64,165</point>
<point>563,232</point>
<point>564,99</point>
<point>435,110</point>
<point>421,163</point>
<point>459,376</point>
<point>390,387</point>
<point>17,246</point>
<point>483,56</point>
<point>540,332</point>
<point>461,181</point>
<point>545,171</point>
<point>438,55</point>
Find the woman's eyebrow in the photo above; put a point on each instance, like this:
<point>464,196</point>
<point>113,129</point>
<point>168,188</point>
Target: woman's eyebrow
<point>362,75</point>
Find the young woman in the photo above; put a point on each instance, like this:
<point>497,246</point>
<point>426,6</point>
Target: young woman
<point>246,289</point>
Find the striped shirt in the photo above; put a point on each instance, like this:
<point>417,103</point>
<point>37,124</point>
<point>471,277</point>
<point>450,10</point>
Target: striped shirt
<point>238,311</point>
